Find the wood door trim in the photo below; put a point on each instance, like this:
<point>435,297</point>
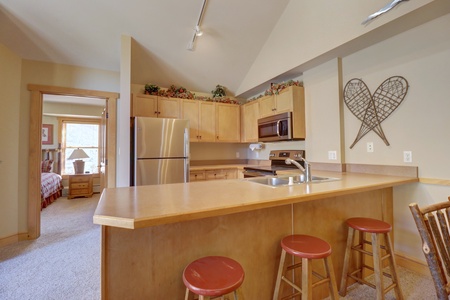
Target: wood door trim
<point>34,159</point>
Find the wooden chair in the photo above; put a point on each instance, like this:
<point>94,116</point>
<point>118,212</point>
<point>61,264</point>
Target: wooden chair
<point>432,223</point>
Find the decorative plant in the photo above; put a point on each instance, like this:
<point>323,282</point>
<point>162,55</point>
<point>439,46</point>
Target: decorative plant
<point>151,89</point>
<point>219,91</point>
<point>276,88</point>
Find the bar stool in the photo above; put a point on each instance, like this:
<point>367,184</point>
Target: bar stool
<point>374,227</point>
<point>212,276</point>
<point>307,248</point>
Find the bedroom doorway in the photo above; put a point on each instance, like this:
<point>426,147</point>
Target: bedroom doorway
<point>35,144</point>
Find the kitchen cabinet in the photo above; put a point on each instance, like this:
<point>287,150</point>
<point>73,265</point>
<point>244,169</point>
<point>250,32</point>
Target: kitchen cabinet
<point>249,121</point>
<point>288,100</point>
<point>197,175</point>
<point>155,106</point>
<point>228,123</point>
<point>201,116</point>
<point>221,174</point>
<point>213,174</point>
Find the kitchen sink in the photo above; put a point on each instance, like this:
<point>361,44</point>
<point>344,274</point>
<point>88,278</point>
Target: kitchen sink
<point>284,180</point>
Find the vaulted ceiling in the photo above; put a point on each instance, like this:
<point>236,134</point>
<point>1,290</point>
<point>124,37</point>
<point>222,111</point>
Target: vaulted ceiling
<point>88,33</point>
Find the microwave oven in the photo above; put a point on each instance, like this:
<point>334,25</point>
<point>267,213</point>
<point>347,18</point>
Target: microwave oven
<point>275,128</point>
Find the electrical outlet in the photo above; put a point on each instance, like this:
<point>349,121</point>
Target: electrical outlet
<point>369,146</point>
<point>407,156</point>
<point>237,154</point>
<point>332,155</point>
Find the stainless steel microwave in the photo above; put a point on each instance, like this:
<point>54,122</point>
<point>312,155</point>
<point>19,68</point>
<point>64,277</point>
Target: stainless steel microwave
<point>275,128</point>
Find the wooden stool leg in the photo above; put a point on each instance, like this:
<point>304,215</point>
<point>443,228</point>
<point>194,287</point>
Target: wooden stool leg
<point>186,297</point>
<point>306,278</point>
<point>393,267</point>
<point>332,283</point>
<point>348,249</point>
<point>377,266</point>
<point>361,258</point>
<point>280,273</point>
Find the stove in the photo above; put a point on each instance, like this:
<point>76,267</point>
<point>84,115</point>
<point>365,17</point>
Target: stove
<point>277,160</point>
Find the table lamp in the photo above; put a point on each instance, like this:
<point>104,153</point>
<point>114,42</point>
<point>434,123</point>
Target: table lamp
<point>78,163</point>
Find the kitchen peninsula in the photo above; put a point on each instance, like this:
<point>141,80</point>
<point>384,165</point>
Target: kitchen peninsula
<point>150,233</point>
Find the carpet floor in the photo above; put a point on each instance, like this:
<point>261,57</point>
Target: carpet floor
<point>64,263</point>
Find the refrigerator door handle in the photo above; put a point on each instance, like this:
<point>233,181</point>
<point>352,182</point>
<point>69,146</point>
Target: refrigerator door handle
<point>186,142</point>
<point>186,173</point>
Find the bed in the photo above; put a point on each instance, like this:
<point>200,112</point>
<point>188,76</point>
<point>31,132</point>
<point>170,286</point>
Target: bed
<point>51,184</point>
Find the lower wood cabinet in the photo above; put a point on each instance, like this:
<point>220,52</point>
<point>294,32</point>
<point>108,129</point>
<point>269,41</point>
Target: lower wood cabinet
<point>197,175</point>
<point>215,174</point>
<point>80,186</point>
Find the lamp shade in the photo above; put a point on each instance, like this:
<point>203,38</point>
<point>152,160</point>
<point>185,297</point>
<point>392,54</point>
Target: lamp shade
<point>78,154</point>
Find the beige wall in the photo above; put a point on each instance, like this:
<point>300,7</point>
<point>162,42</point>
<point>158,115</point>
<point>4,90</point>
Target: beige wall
<point>10,72</point>
<point>34,72</point>
<point>420,124</point>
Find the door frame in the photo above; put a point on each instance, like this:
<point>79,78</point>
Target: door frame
<point>35,141</point>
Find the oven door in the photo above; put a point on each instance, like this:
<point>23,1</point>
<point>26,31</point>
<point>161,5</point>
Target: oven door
<point>275,128</point>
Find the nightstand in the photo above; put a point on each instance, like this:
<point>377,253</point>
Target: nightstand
<point>80,185</point>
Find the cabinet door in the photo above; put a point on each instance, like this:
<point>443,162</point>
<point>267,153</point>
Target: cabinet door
<point>190,111</point>
<point>207,125</point>
<point>249,117</point>
<point>197,176</point>
<point>144,106</point>
<point>285,101</point>
<point>168,108</point>
<point>227,123</point>
<point>215,174</point>
<point>266,106</point>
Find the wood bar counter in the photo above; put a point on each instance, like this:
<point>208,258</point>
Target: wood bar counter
<point>150,233</point>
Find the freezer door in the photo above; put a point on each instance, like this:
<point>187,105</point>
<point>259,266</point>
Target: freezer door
<point>161,171</point>
<point>157,138</point>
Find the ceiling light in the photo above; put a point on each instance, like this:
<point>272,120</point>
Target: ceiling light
<point>198,32</point>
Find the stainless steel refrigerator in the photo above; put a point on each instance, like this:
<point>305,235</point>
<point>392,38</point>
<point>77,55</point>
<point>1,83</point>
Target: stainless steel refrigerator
<point>160,149</point>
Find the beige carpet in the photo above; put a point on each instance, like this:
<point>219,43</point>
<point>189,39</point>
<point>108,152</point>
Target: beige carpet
<point>64,263</point>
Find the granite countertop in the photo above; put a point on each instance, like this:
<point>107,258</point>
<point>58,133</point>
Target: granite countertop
<point>144,206</point>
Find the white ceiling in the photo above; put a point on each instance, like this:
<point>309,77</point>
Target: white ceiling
<point>88,33</point>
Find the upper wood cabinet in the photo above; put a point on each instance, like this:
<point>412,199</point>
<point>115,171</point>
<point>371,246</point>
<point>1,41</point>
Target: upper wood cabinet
<point>212,122</point>
<point>228,123</point>
<point>155,106</point>
<point>283,102</point>
<point>249,122</point>
<point>201,116</point>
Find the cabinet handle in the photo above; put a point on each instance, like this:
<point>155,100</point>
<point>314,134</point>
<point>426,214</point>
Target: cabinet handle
<point>156,112</point>
<point>217,137</point>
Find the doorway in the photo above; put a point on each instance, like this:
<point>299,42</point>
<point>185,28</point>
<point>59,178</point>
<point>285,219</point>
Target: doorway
<point>35,141</point>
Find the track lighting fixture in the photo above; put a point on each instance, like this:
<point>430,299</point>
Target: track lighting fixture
<point>198,31</point>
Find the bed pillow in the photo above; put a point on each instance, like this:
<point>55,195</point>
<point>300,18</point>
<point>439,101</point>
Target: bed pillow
<point>46,165</point>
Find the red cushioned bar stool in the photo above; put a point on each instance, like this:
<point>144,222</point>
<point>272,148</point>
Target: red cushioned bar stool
<point>379,253</point>
<point>307,248</point>
<point>212,277</point>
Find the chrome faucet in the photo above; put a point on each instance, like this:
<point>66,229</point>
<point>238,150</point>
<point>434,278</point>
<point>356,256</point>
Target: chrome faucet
<point>306,170</point>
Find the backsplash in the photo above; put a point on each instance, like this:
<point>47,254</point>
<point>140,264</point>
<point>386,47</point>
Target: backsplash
<point>224,151</point>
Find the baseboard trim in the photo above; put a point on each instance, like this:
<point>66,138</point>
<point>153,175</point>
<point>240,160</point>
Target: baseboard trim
<point>13,239</point>
<point>412,264</point>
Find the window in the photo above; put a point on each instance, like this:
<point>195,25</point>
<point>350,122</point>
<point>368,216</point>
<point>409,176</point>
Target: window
<point>83,134</point>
